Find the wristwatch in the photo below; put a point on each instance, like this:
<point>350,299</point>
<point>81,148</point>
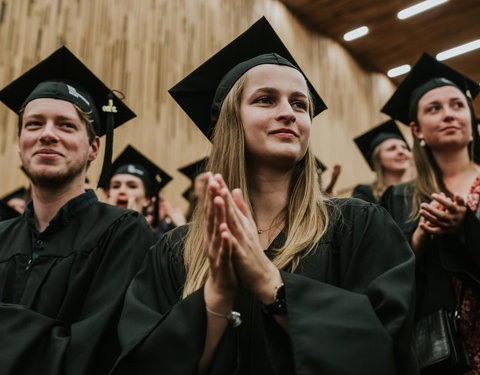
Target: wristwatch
<point>279,305</point>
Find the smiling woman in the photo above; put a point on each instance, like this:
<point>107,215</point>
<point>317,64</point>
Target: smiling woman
<point>267,276</point>
<point>438,211</point>
<point>276,121</point>
<point>388,155</point>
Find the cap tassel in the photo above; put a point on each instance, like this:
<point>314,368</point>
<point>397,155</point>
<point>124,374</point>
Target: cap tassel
<point>110,110</point>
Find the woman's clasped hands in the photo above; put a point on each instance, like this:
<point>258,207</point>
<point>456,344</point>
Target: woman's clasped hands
<point>233,248</point>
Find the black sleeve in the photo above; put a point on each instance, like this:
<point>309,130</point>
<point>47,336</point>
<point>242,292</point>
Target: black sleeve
<point>472,237</point>
<point>38,344</point>
<point>364,192</point>
<point>395,201</point>
<point>364,325</point>
<point>161,333</point>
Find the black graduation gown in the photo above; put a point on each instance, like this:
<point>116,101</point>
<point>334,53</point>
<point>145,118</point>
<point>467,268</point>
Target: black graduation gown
<point>349,309</point>
<point>59,312</point>
<point>446,255</point>
<point>364,192</point>
<point>7,212</point>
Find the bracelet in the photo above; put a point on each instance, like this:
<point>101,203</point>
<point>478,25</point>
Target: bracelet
<point>233,317</point>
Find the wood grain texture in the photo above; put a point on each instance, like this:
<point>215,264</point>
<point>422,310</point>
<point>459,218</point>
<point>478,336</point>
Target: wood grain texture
<point>143,47</point>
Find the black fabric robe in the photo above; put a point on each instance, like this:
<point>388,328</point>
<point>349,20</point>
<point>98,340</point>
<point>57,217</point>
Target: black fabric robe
<point>349,309</point>
<point>7,212</point>
<point>445,257</point>
<point>364,192</point>
<point>59,312</point>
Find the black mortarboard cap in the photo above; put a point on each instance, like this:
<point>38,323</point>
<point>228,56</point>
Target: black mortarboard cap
<point>63,76</point>
<point>192,170</point>
<point>368,141</point>
<point>130,161</point>
<point>427,74</point>
<point>197,93</point>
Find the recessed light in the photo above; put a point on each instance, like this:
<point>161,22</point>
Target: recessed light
<point>418,8</point>
<point>357,33</point>
<point>464,48</point>
<point>398,71</point>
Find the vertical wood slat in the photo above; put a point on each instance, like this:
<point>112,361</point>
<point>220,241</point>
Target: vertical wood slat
<point>144,47</point>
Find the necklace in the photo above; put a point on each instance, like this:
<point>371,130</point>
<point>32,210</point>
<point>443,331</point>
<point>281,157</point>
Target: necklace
<point>260,231</point>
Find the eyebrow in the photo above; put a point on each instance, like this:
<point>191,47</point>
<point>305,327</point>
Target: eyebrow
<point>449,99</point>
<point>272,90</point>
<point>58,117</point>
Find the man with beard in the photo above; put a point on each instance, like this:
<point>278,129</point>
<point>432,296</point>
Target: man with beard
<point>66,262</point>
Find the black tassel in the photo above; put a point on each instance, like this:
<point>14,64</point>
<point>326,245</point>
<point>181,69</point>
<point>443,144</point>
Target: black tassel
<point>110,110</point>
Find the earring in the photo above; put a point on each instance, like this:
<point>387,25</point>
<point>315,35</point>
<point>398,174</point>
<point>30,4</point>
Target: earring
<point>471,138</point>
<point>422,142</point>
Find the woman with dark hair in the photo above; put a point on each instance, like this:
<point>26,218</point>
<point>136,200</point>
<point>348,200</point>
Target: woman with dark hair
<point>388,155</point>
<point>270,277</point>
<point>438,211</point>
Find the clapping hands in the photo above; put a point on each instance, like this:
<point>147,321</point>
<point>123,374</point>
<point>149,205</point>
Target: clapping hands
<point>233,248</point>
<point>443,215</point>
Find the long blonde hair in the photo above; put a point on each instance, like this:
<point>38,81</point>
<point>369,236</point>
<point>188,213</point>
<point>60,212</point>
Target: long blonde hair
<point>306,215</point>
<point>429,178</point>
<point>380,184</point>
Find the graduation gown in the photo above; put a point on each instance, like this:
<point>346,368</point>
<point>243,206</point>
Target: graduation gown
<point>364,192</point>
<point>349,308</point>
<point>445,257</point>
<point>61,291</point>
<point>7,212</point>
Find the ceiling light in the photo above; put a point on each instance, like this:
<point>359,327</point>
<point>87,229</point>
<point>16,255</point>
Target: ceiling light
<point>418,8</point>
<point>398,71</point>
<point>357,33</point>
<point>464,48</point>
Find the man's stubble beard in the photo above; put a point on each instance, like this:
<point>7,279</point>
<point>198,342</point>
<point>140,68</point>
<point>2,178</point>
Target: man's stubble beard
<point>54,182</point>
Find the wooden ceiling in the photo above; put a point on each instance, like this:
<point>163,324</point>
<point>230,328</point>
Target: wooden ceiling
<point>392,42</point>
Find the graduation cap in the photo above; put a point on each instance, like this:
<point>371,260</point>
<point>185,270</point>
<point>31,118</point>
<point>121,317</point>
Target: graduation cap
<point>192,171</point>
<point>132,162</point>
<point>427,74</point>
<point>63,76</point>
<point>367,142</point>
<point>202,92</point>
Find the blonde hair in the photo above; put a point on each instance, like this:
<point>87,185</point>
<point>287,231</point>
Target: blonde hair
<point>306,215</point>
<point>380,184</point>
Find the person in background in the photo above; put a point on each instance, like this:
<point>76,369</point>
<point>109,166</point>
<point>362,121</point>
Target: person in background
<point>169,217</point>
<point>136,184</point>
<point>197,175</point>
<point>388,155</point>
<point>438,211</point>
<point>17,199</point>
<point>7,212</point>
<point>66,262</point>
<point>328,190</point>
<point>270,276</point>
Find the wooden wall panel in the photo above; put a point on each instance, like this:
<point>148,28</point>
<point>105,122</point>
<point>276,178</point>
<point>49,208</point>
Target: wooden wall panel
<point>143,47</point>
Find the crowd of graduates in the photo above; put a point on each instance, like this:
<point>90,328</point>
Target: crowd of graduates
<point>267,272</point>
